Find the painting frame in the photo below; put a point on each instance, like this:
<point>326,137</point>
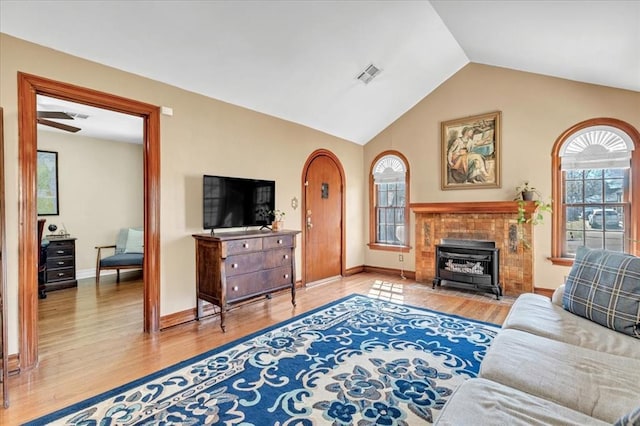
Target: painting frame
<point>471,160</point>
<point>47,188</point>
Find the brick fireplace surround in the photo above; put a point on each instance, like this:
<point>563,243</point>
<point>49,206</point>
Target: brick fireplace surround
<point>487,220</point>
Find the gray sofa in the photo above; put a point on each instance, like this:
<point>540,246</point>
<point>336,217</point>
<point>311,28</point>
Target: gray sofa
<point>551,366</point>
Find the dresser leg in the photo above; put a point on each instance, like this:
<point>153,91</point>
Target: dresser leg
<point>222,318</point>
<point>198,309</point>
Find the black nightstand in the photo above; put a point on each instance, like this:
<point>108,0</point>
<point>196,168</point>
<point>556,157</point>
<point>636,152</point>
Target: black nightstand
<point>61,263</point>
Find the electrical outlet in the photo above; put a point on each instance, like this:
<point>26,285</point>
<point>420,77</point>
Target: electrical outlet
<point>400,258</point>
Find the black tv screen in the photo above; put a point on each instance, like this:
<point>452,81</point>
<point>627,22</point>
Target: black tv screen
<point>230,202</point>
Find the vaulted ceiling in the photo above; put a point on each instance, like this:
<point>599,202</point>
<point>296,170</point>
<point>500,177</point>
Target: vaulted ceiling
<point>298,60</point>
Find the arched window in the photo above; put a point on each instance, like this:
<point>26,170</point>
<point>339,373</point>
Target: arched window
<point>596,201</point>
<point>389,202</point>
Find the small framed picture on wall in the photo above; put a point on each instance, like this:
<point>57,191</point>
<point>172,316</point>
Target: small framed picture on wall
<point>471,152</point>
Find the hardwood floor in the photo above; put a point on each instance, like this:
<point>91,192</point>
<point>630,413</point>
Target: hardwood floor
<point>90,344</point>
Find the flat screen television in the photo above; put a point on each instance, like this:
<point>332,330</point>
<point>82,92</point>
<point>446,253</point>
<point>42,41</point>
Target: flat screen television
<point>230,202</point>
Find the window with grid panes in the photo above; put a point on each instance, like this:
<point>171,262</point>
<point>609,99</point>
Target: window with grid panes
<point>595,174</point>
<point>389,201</point>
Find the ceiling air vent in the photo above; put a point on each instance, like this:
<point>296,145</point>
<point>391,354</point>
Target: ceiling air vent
<point>367,75</point>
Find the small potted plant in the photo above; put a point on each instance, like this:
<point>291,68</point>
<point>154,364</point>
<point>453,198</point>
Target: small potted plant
<point>278,219</point>
<point>527,193</point>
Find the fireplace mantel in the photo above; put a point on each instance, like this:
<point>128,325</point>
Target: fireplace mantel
<point>498,207</point>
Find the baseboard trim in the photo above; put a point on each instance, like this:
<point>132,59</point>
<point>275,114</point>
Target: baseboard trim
<point>13,364</point>
<point>390,271</point>
<point>208,309</point>
<point>544,291</point>
<point>354,270</point>
<point>82,274</point>
<point>183,317</point>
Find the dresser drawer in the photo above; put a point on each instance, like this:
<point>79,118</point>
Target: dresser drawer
<point>243,246</point>
<point>277,258</point>
<point>278,241</point>
<point>277,278</point>
<point>259,282</point>
<point>243,286</point>
<point>61,275</point>
<point>60,262</point>
<point>243,263</point>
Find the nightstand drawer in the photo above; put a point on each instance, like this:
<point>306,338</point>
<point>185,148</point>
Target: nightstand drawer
<point>60,249</point>
<point>61,274</point>
<point>60,262</point>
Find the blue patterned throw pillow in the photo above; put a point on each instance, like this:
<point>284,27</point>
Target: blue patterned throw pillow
<point>604,286</point>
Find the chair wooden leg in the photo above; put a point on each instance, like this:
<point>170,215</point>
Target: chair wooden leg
<point>117,275</point>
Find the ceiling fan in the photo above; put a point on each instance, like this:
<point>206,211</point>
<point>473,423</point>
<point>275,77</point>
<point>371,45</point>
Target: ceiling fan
<point>45,116</point>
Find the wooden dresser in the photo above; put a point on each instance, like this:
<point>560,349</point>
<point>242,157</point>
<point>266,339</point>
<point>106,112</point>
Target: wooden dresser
<point>61,264</point>
<point>235,266</point>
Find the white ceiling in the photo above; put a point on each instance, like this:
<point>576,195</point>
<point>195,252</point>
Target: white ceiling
<point>298,60</point>
<point>99,123</point>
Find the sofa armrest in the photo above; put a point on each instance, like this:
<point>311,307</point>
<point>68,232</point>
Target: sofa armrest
<point>556,298</point>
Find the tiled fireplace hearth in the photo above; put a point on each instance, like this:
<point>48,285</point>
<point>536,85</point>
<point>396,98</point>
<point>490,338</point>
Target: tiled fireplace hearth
<point>488,220</point>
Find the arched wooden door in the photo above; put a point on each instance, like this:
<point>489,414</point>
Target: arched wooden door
<point>323,209</point>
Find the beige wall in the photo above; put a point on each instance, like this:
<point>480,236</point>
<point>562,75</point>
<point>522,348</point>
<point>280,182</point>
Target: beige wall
<point>535,110</point>
<point>203,136</point>
<point>100,189</point>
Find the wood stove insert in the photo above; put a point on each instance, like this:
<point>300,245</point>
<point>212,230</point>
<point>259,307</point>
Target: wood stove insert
<point>468,264</point>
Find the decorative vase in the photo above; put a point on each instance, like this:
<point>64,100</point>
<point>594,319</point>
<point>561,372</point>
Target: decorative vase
<point>276,225</point>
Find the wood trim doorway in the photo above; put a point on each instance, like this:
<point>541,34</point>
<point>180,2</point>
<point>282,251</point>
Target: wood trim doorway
<point>28,87</point>
<point>318,154</point>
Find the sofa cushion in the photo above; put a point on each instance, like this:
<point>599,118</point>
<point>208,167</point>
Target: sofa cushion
<point>536,314</point>
<point>595,383</point>
<point>632,418</point>
<point>483,402</point>
<point>604,286</point>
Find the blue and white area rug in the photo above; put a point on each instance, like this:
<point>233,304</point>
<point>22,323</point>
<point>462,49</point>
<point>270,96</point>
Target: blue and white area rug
<point>356,361</point>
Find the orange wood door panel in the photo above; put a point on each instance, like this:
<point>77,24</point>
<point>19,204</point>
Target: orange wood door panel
<point>324,220</point>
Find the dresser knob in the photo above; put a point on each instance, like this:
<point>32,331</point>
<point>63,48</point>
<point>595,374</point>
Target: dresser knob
<point>234,288</point>
<point>61,274</point>
<point>279,241</point>
<point>286,256</point>
<point>245,245</point>
<point>60,263</point>
<point>60,251</point>
<point>285,276</point>
<point>234,265</point>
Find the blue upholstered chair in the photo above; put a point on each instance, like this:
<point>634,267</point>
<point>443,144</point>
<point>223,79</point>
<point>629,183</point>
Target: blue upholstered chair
<point>128,253</point>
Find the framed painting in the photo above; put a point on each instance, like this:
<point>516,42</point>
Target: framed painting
<point>471,152</point>
<point>47,183</point>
